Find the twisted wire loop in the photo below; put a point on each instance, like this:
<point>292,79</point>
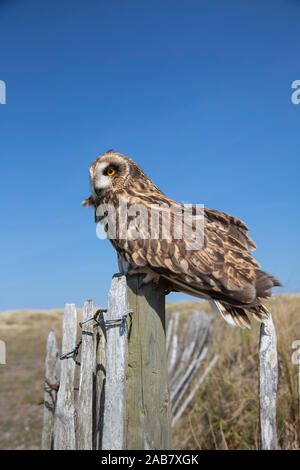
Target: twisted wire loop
<point>98,322</point>
<point>51,386</point>
<point>118,321</point>
<point>72,353</point>
<point>94,317</point>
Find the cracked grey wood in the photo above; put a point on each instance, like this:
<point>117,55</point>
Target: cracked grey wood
<point>2,352</point>
<point>298,357</point>
<point>116,367</point>
<point>64,421</point>
<point>50,395</point>
<point>148,399</point>
<point>268,380</point>
<point>84,434</point>
<point>99,384</point>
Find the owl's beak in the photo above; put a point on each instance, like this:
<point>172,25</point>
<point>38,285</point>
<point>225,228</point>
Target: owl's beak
<point>98,191</point>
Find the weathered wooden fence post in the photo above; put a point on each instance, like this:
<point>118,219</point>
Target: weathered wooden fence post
<point>52,368</point>
<point>116,366</point>
<point>298,357</point>
<point>84,430</point>
<point>148,416</point>
<point>99,378</point>
<point>268,379</point>
<point>64,420</point>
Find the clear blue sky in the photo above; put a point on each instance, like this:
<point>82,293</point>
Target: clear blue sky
<point>198,92</point>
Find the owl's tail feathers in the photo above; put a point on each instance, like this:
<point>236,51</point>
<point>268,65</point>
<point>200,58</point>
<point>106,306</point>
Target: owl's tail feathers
<point>265,283</point>
<point>236,316</point>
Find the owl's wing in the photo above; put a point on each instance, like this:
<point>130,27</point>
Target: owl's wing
<point>235,227</point>
<point>223,265</point>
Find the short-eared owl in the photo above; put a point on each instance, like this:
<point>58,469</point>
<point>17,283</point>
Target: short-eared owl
<point>221,269</point>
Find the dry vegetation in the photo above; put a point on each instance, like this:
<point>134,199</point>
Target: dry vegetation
<point>223,415</point>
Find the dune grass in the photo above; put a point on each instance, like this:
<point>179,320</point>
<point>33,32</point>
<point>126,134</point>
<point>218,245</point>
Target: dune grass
<point>224,415</point>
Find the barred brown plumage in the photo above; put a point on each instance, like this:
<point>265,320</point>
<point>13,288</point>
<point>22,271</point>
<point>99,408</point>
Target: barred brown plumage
<point>221,269</point>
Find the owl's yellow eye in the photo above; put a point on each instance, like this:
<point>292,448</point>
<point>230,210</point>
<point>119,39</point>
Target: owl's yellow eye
<point>110,171</point>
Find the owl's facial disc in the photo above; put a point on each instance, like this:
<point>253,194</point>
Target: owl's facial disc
<point>108,173</point>
<point>103,177</point>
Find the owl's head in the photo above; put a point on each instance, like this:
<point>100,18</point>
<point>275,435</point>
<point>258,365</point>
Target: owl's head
<point>111,172</point>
